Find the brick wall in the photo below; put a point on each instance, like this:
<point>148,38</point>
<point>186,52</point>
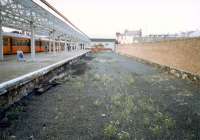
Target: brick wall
<point>183,54</point>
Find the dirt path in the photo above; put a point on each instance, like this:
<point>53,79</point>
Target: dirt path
<point>109,97</point>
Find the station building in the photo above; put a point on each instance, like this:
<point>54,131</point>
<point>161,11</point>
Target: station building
<point>105,43</point>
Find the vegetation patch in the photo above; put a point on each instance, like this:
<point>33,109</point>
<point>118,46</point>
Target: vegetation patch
<point>140,114</point>
<point>110,130</point>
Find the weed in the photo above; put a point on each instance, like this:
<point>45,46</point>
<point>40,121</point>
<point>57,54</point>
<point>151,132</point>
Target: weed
<point>130,81</point>
<point>12,115</point>
<point>162,123</point>
<point>122,106</point>
<point>123,135</point>
<point>79,85</point>
<point>97,102</point>
<point>156,130</point>
<point>169,122</point>
<point>97,77</point>
<point>110,130</point>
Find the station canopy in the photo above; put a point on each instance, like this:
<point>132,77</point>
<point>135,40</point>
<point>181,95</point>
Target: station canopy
<point>24,14</point>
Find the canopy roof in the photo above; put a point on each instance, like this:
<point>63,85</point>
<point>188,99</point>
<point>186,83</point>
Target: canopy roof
<point>20,14</point>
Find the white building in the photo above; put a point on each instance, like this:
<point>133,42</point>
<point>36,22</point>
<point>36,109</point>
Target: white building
<point>106,43</point>
<point>195,33</point>
<point>128,37</point>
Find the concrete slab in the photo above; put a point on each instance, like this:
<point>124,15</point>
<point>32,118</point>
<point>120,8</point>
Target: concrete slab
<point>10,68</point>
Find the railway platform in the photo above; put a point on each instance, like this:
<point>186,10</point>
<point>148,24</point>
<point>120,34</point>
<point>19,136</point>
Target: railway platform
<point>10,68</point>
<point>19,79</point>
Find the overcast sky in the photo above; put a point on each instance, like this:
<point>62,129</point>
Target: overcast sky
<point>103,18</point>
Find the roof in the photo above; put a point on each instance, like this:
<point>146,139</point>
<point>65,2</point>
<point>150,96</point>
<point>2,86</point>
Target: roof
<point>133,33</point>
<point>18,35</point>
<point>15,35</point>
<point>102,40</point>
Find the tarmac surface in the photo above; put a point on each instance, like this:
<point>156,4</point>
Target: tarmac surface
<point>109,97</point>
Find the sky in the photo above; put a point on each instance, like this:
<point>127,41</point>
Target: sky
<point>103,18</point>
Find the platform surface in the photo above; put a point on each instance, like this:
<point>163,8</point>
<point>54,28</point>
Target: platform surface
<point>10,68</point>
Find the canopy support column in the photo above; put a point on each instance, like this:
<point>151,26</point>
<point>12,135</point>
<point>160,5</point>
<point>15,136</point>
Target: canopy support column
<point>59,46</point>
<point>78,46</point>
<point>83,47</point>
<point>73,46</point>
<point>50,42</point>
<point>65,44</point>
<point>32,41</point>
<point>69,46</point>
<point>1,38</point>
<point>54,43</point>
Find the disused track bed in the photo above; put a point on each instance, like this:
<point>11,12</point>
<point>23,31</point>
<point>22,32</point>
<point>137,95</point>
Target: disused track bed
<point>114,97</point>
